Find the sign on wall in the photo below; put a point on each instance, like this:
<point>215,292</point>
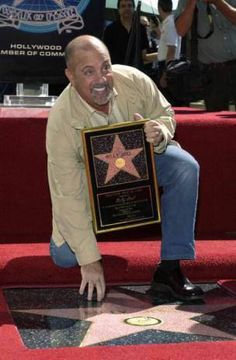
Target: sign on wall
<point>34,33</point>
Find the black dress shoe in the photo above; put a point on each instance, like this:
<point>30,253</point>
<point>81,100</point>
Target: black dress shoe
<point>176,284</point>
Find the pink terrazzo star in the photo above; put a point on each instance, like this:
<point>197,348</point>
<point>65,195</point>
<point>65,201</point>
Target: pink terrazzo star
<point>108,319</point>
<point>119,159</point>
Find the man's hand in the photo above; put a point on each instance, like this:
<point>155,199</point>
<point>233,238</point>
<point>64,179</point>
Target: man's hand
<point>152,130</point>
<point>93,277</point>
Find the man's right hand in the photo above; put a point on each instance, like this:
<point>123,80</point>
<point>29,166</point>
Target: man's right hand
<point>93,278</point>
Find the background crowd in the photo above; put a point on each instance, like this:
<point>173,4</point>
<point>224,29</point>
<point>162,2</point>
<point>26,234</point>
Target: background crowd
<point>167,38</point>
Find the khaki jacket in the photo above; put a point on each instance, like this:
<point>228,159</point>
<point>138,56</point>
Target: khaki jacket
<point>72,220</point>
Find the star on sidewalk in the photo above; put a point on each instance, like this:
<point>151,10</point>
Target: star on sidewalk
<point>119,159</point>
<point>107,321</point>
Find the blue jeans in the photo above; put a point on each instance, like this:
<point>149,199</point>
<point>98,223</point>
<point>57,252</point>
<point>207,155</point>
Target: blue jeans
<point>62,255</point>
<point>178,175</point>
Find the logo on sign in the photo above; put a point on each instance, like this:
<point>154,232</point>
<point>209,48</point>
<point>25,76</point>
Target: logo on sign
<point>39,16</point>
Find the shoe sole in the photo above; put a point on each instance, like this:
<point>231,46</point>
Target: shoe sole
<point>163,288</point>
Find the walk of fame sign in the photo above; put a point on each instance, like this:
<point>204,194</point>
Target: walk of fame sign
<point>121,176</point>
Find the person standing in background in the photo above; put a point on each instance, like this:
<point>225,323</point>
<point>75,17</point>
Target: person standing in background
<point>169,48</point>
<point>155,30</point>
<point>152,26</point>
<point>216,49</point>
<point>116,36</point>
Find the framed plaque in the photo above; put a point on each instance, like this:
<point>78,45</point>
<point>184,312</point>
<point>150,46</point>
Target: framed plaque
<point>121,176</point>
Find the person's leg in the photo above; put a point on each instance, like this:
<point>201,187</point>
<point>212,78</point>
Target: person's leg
<point>62,255</point>
<point>217,88</point>
<point>177,174</point>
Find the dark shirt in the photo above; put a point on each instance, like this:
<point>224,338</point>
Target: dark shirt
<point>116,38</point>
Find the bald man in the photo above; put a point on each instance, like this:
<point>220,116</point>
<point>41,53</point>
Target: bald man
<point>101,94</point>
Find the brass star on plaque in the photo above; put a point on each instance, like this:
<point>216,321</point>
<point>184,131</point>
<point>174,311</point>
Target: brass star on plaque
<point>119,159</point>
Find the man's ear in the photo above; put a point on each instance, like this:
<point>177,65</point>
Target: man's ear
<point>69,75</point>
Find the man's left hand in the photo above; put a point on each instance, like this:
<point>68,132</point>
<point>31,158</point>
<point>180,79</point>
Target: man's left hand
<point>152,130</point>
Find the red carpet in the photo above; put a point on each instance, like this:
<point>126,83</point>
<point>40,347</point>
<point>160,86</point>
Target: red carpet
<point>133,262</point>
<point>228,285</point>
<point>130,264</point>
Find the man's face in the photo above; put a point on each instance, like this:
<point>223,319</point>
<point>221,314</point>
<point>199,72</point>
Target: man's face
<point>126,9</point>
<point>91,75</point>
